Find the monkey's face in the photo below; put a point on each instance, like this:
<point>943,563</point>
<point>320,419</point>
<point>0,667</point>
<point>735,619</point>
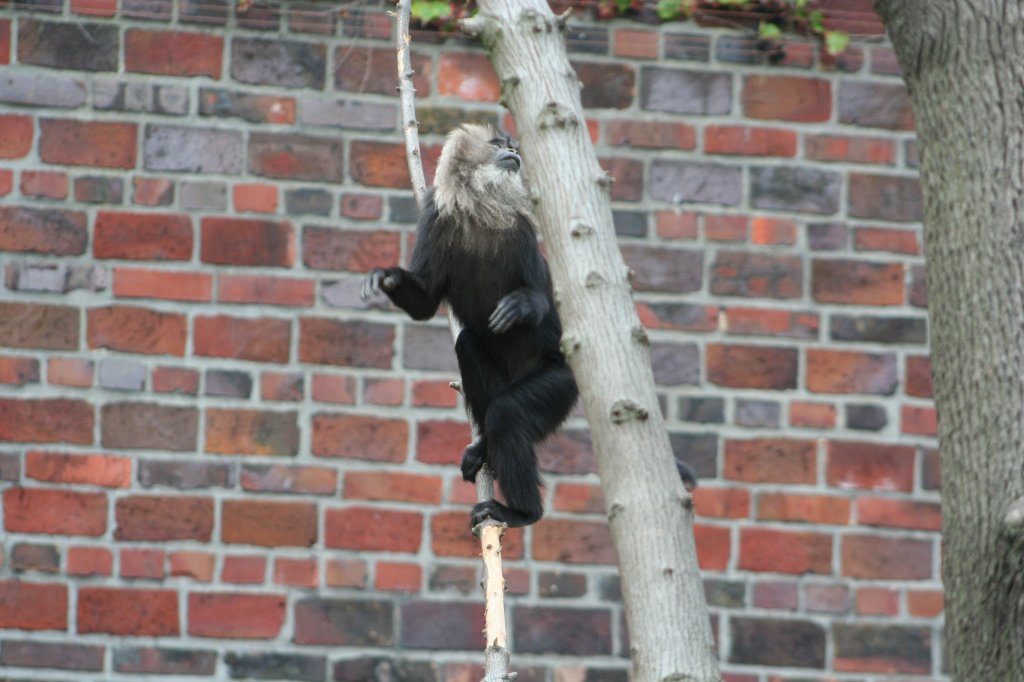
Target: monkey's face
<point>477,150</point>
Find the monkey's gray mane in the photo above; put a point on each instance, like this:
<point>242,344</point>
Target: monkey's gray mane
<point>470,189</point>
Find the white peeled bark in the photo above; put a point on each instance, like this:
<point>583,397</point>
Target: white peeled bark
<point>649,511</point>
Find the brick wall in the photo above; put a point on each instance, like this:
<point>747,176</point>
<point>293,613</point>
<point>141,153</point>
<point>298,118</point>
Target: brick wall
<point>217,461</point>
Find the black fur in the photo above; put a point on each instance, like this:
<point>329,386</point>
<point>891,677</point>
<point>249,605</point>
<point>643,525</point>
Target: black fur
<point>515,380</point>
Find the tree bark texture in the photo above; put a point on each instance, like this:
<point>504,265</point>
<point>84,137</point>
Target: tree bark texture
<point>963,62</point>
<point>649,511</point>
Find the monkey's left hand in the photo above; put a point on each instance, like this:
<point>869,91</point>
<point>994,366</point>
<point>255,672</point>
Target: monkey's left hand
<point>512,308</point>
<point>379,279</point>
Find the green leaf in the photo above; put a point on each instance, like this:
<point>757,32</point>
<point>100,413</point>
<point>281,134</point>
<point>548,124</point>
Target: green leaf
<point>817,21</point>
<point>836,42</point>
<point>768,31</point>
<point>623,5</point>
<point>428,11</point>
<point>669,9</point>
<point>800,4</point>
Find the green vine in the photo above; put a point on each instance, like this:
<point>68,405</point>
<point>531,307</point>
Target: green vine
<point>771,20</point>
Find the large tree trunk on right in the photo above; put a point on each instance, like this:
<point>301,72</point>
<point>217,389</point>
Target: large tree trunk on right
<point>964,65</point>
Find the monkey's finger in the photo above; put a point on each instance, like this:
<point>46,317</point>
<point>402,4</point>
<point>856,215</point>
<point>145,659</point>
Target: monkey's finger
<point>501,319</point>
<point>371,284</point>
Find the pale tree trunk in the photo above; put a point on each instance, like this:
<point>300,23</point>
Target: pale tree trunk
<point>649,511</point>
<point>963,62</point>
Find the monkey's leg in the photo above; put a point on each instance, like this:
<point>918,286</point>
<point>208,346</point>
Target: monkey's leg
<point>518,417</point>
<point>480,383</point>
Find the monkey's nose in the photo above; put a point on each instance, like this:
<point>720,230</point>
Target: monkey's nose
<point>508,159</point>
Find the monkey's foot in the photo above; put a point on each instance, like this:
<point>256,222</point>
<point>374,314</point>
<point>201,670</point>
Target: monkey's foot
<point>473,459</point>
<point>485,510</point>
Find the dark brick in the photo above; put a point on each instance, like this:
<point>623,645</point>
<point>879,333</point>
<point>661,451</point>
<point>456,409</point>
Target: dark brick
<point>692,48</point>
<point>97,189</point>
<point>758,414</point>
<point>49,231</point>
<point>587,39</point>
<point>567,452</point>
<point>38,5</point>
<point>685,92</point>
<point>196,150</point>
<point>308,202</point>
<point>356,623</point>
<point>210,12</point>
<point>227,383</point>
<point>562,585</point>
<point>152,10</point>
<point>606,85</point>
<point>154,661</point>
<point>256,108</point>
<point>33,557</point>
<point>149,426</point>
<point>353,343</point>
<point>918,291</point>
<point>875,105</point>
<point>397,670</point>
<point>725,593</point>
<point>682,181</point>
<point>866,417</point>
<point>330,112</point>
<point>311,18</point>
<point>701,410</point>
<point>36,89</point>
<point>878,329</point>
<point>663,269</point>
<point>186,475</point>
<point>699,451</point>
<point>863,647</point>
<point>77,46</point>
<point>260,17</point>
<point>576,632</point>
<point>284,63</point>
<point>806,190</point>
<point>885,197</point>
<point>438,625</point>
<point>203,196</point>
<point>630,223</point>
<point>31,325</point>
<point>58,655</point>
<point>372,70</point>
<point>827,236</point>
<point>675,364</point>
<point>254,432</point>
<point>145,97</point>
<point>297,157</point>
<point>742,273</point>
<point>776,642</point>
<point>275,666</point>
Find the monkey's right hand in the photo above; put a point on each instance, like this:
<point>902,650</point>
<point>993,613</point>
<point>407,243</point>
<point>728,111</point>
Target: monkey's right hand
<point>379,279</point>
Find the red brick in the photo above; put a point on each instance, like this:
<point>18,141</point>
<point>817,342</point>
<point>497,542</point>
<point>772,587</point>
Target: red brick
<point>920,421</point>
<point>441,442</point>
<point>329,248</point>
<point>173,53</point>
<point>48,511</point>
<point>46,420</point>
<point>635,44</point>
<point>382,164</point>
<point>744,141</point>
<point>6,185</point>
<point>245,570</point>
<point>897,513</point>
<point>44,184</point>
<point>143,563</point>
<point>246,241</point>
<point>885,239</point>
<point>877,601</point>
<point>346,342</point>
<point>371,529</point>
<point>360,437</point>
<point>383,391</point>
<point>143,236</point>
<point>770,322</point>
<point>296,572</point>
<point>393,576</point>
<point>468,76</point>
<point>346,573</point>
<point>86,561</point>
<point>262,339</point>
<point>33,606</point>
<point>772,231</point>
<point>137,330</point>
<point>48,231</point>
<point>87,143</point>
<point>777,551</point>
<point>714,547</point>
<point>160,518</point>
<point>297,157</point>
<point>16,135</point>
<point>195,565</point>
<point>837,371</point>
<point>850,149</point>
<point>362,206</point>
<point>265,290</point>
<point>450,536</point>
<point>269,524</point>
<point>650,135</point>
<point>162,284</point>
<point>771,460</point>
<point>103,470</point>
<point>74,372</point>
<point>918,380</point>
<point>5,41</point>
<point>870,466</point>
<point>878,557</point>
<point>812,415</point>
<point>752,366</point>
<point>676,225</point>
<point>433,394</point>
<point>727,503</point>
<point>16,370</point>
<point>334,389</point>
<point>818,509</point>
<point>175,380</point>
<point>135,613</point>
<point>94,8</point>
<point>857,282</point>
<point>579,497</point>
<point>255,197</point>
<point>725,228</point>
<point>925,603</point>
<point>152,191</point>
<point>787,98</point>
<point>280,478</point>
<point>282,386</point>
<point>224,615</point>
<point>572,542</point>
<point>392,485</point>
